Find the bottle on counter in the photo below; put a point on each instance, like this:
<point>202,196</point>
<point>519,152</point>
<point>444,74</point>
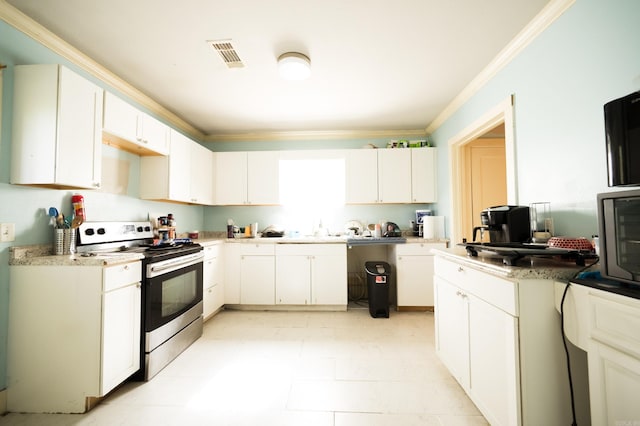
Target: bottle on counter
<point>79,214</point>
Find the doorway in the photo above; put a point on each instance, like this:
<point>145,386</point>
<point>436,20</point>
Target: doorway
<point>470,193</point>
<point>486,181</point>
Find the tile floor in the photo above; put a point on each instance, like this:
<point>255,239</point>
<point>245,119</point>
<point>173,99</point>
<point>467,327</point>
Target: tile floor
<point>292,368</point>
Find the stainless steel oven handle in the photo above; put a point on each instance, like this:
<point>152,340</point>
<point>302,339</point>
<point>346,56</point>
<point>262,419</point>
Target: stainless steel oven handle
<point>155,269</point>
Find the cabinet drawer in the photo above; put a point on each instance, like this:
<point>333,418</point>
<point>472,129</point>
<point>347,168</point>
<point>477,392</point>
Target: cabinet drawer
<point>616,323</point>
<point>311,249</point>
<point>499,292</point>
<point>257,249</point>
<point>417,249</point>
<point>121,275</point>
<point>211,251</point>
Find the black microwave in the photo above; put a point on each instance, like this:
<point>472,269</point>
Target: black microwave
<point>619,226</point>
<point>622,128</point>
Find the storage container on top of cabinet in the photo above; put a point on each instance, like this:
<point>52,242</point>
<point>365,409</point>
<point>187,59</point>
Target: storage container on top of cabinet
<point>57,122</point>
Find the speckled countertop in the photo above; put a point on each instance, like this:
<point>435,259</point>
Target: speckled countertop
<point>41,255</point>
<point>529,267</point>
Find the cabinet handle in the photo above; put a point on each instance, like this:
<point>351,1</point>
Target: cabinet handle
<point>126,267</point>
<point>460,269</point>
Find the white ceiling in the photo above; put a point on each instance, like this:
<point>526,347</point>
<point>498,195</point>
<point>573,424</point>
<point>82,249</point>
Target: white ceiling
<point>376,64</point>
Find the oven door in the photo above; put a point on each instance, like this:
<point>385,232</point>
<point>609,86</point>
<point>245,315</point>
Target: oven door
<point>172,288</point>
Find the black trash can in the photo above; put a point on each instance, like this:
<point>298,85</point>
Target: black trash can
<point>378,281</point>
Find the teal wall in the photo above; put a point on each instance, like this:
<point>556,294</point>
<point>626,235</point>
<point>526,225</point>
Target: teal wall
<point>588,57</point>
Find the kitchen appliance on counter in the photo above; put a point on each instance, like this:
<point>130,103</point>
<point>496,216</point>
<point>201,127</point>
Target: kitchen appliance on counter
<point>171,280</point>
<point>619,227</point>
<point>622,128</point>
<point>506,224</point>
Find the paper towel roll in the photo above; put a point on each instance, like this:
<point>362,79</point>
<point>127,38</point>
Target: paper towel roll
<point>432,227</point>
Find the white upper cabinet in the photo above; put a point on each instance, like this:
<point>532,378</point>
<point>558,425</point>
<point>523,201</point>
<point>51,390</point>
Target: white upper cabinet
<point>186,175</point>
<point>243,178</point>
<point>132,130</point>
<point>362,176</point>
<point>263,172</point>
<point>230,178</point>
<point>56,128</point>
<point>394,175</point>
<point>423,175</point>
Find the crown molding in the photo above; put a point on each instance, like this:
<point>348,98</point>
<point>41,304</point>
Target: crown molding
<point>36,31</point>
<point>552,11</point>
<point>314,135</point>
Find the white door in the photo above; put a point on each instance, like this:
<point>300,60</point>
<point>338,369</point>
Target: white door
<point>394,175</point>
<point>329,279</point>
<point>452,329</point>
<point>493,355</point>
<point>415,280</point>
<point>200,174</point>
<point>79,147</point>
<point>361,176</point>
<point>231,178</point>
<point>423,175</point>
<point>257,280</point>
<point>179,167</point>
<point>263,173</point>
<point>293,280</point>
<point>120,335</point>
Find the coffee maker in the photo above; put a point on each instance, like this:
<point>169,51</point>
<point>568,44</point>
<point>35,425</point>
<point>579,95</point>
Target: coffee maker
<point>506,224</point>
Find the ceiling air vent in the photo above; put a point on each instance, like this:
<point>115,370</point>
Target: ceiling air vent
<point>227,52</point>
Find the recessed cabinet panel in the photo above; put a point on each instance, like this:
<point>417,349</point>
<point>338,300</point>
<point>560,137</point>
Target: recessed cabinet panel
<point>362,176</point>
<point>394,175</point>
<point>231,178</point>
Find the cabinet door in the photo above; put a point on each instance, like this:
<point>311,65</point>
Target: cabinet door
<point>423,175</point>
<point>293,280</point>
<point>231,178</point>
<point>415,280</point>
<point>361,176</point>
<point>179,168</point>
<point>213,297</point>
<point>120,335</point>
<point>201,174</point>
<point>257,280</point>
<point>263,177</point>
<point>153,134</point>
<point>79,123</point>
<point>120,118</point>
<point>394,175</point>
<point>452,329</point>
<point>232,274</point>
<point>494,367</point>
<point>614,385</point>
<point>329,279</point>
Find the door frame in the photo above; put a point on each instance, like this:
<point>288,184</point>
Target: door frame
<point>458,161</point>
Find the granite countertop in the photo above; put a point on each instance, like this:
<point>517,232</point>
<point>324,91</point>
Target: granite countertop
<point>41,255</point>
<point>529,267</point>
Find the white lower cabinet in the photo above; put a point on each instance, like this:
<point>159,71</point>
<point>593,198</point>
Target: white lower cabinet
<point>74,335</point>
<point>250,274</point>
<point>311,274</point>
<point>500,339</point>
<point>414,274</point>
<point>213,279</point>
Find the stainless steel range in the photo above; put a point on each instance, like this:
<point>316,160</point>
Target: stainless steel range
<point>171,287</point>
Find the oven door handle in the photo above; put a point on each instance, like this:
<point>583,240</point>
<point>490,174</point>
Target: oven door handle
<point>165,266</point>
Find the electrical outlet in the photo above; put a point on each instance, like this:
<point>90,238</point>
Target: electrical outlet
<point>7,232</point>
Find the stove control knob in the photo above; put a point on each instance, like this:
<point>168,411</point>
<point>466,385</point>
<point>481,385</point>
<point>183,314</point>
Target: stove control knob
<point>89,231</point>
<point>139,229</point>
<point>147,228</point>
<point>101,231</point>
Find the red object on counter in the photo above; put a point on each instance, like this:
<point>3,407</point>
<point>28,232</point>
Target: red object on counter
<point>79,214</point>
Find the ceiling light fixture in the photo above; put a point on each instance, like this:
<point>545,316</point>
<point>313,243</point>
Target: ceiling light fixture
<point>294,66</point>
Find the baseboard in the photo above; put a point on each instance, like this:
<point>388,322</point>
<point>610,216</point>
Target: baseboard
<point>3,401</point>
